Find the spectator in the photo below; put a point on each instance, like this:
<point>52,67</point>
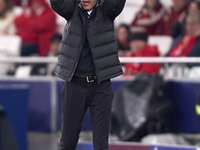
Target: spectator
<point>55,42</point>
<point>36,25</point>
<point>48,69</point>
<point>178,9</point>
<point>188,45</point>
<point>194,7</point>
<point>122,35</point>
<point>148,19</point>
<point>6,17</point>
<point>178,28</point>
<point>140,48</point>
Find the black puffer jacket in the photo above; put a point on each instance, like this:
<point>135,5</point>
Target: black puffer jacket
<point>100,34</point>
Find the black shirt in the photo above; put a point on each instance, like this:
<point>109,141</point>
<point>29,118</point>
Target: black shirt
<point>85,65</point>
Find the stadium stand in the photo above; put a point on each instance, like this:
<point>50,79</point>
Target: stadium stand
<point>43,102</point>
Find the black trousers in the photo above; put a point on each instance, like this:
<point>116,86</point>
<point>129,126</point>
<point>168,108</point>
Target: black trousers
<point>76,98</point>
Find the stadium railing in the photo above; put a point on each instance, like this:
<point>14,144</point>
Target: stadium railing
<point>179,60</point>
<point>166,61</point>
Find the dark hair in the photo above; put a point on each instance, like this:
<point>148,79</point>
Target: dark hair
<point>56,36</point>
<point>138,36</point>
<point>9,6</point>
<point>123,25</point>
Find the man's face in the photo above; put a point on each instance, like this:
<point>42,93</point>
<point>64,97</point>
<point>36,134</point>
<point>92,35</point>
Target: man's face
<point>88,4</point>
<point>193,8</point>
<point>137,45</point>
<point>36,5</point>
<point>151,3</point>
<point>122,34</point>
<point>54,47</point>
<point>192,26</point>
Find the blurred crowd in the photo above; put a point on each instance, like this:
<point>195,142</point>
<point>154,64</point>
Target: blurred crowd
<point>36,24</point>
<point>40,30</point>
<point>181,22</point>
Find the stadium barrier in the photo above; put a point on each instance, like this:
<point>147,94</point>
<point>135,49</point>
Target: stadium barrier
<point>34,60</point>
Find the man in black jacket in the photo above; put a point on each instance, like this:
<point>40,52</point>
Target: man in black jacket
<point>87,60</point>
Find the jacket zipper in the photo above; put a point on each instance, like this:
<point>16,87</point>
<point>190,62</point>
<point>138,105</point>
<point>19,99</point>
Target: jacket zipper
<point>81,49</point>
<point>91,49</point>
<point>78,57</point>
<point>76,63</point>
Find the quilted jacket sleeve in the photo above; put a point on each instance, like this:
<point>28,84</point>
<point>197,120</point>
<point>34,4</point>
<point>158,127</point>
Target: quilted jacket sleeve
<point>113,7</point>
<point>64,8</point>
